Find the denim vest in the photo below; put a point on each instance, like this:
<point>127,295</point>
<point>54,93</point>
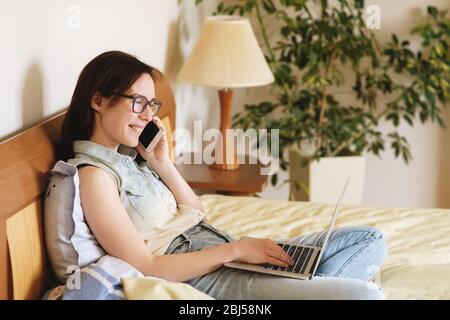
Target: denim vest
<point>149,203</point>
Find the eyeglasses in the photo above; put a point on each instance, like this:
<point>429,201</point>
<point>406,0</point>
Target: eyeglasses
<point>140,103</point>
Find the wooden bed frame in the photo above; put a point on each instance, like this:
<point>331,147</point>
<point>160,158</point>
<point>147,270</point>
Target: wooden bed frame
<point>25,163</point>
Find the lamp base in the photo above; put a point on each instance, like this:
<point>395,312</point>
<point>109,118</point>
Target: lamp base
<point>225,154</point>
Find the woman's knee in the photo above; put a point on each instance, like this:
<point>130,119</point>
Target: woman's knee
<point>370,251</point>
<point>373,235</point>
<point>379,242</point>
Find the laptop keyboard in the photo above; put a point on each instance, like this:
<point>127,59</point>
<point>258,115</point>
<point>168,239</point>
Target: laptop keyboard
<point>301,256</point>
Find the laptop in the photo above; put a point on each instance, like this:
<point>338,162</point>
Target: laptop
<point>306,258</point>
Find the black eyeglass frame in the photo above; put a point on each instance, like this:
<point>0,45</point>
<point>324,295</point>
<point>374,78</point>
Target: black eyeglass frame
<point>149,103</point>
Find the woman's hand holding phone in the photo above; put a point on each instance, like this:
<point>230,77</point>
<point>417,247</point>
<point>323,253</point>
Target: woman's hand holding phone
<point>159,159</point>
<point>160,153</point>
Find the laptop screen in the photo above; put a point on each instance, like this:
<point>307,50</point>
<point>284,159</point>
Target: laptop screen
<point>332,223</point>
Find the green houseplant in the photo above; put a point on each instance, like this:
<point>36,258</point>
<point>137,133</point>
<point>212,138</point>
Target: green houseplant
<point>318,42</point>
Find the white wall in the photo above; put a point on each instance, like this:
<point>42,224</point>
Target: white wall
<point>193,102</point>
<point>389,182</point>
<point>41,54</point>
<point>40,59</point>
<point>426,181</point>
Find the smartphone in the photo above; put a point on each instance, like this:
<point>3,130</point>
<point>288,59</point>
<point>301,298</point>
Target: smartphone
<point>150,136</point>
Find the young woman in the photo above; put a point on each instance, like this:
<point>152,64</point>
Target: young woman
<point>147,215</point>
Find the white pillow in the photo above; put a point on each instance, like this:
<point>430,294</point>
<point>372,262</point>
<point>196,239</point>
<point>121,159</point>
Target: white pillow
<point>69,240</point>
<point>151,288</point>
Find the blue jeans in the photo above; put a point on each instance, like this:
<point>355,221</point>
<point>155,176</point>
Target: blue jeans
<point>351,257</point>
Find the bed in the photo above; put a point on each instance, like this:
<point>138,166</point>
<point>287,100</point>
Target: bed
<point>418,262</point>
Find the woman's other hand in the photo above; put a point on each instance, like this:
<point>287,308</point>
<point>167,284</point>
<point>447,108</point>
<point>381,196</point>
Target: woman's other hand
<point>260,251</point>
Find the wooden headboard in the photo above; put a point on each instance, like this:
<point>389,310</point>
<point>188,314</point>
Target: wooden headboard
<point>25,163</point>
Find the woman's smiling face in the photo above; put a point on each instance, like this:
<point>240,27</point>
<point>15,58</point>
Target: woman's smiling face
<point>116,123</point>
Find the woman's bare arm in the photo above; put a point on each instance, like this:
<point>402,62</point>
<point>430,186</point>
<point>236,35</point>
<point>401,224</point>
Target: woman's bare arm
<point>113,229</point>
<point>182,192</point>
<point>159,160</point>
<point>115,232</point>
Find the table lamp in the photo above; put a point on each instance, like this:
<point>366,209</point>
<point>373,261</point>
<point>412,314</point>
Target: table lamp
<point>226,56</point>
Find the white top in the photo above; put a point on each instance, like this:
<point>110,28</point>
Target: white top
<point>149,203</point>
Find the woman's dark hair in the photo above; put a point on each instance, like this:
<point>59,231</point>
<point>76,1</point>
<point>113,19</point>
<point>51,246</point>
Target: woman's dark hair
<point>112,71</point>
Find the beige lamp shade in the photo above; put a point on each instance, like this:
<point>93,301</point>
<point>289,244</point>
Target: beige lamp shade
<point>226,55</point>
